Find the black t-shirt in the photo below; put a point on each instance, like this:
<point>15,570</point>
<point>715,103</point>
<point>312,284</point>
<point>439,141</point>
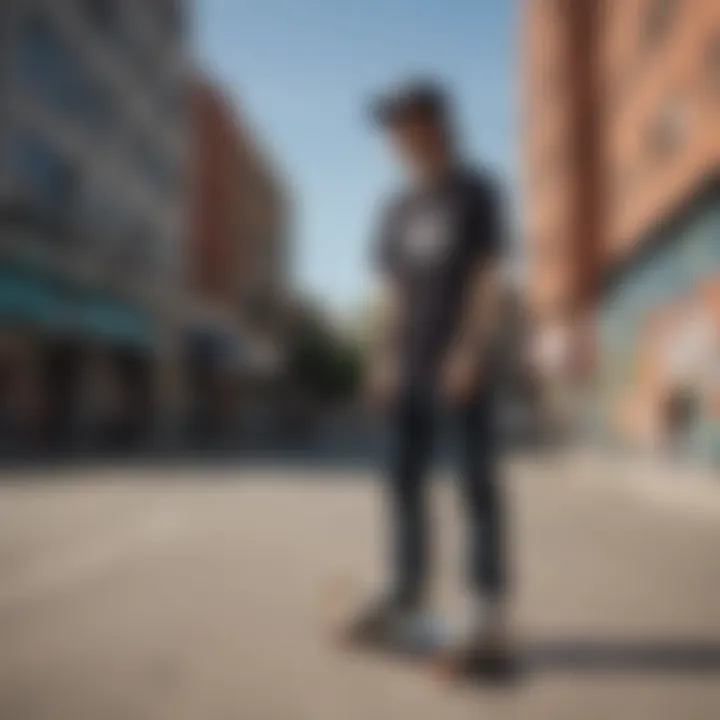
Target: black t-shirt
<point>430,244</point>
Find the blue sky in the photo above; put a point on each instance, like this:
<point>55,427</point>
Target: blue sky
<point>302,69</point>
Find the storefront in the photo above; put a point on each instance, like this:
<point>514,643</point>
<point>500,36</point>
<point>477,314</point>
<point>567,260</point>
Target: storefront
<point>233,381</point>
<point>76,366</point>
<point>660,340</point>
<point>210,358</point>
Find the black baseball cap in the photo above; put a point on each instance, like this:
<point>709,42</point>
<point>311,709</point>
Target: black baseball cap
<point>420,98</point>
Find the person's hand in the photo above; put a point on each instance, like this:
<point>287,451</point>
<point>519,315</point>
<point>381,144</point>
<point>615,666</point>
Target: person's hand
<point>382,383</point>
<point>459,378</point>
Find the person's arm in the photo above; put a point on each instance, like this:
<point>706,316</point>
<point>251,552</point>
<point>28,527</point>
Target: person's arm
<point>482,313</point>
<point>483,307</point>
<point>388,311</point>
<point>384,367</point>
<point>384,364</point>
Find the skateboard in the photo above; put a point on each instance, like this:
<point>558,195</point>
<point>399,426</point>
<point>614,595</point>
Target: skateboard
<point>430,641</point>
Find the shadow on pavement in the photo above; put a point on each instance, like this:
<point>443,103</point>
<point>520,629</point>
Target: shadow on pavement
<point>596,655</point>
<point>607,655</point>
<point>580,655</point>
<point>600,656</point>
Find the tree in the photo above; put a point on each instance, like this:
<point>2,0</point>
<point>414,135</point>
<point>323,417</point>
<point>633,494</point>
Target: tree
<point>323,363</point>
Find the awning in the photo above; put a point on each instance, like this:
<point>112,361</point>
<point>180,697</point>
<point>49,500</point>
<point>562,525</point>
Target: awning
<point>28,298</point>
<point>112,321</point>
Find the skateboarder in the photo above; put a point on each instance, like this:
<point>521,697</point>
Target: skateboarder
<point>438,256</point>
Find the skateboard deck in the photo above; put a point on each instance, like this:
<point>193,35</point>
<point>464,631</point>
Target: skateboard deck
<point>431,641</point>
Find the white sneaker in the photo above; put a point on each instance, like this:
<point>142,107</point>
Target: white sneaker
<point>489,635</point>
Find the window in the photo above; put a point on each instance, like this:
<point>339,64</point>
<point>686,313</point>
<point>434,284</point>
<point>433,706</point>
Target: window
<point>669,129</point>
<point>102,14</point>
<point>142,55</point>
<point>100,215</point>
<point>98,108</point>
<point>43,60</point>
<point>155,164</point>
<point>46,182</point>
<point>48,66</point>
<point>169,17</point>
<point>561,8</point>
<point>714,64</point>
<point>137,249</point>
<point>661,14</point>
<point>172,96</point>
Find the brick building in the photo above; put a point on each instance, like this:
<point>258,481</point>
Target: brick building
<point>564,196</point>
<point>237,260</point>
<point>659,313</point>
<point>623,158</point>
<point>218,233</point>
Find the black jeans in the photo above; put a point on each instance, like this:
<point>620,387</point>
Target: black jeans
<point>414,423</point>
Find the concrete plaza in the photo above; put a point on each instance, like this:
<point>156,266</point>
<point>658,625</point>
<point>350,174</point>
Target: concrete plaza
<point>199,593</point>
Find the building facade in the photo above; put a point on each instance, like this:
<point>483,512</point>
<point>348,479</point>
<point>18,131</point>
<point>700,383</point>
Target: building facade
<point>562,180</point>
<point>659,313</point>
<point>564,200</point>
<point>239,264</point>
<point>644,249</point>
<point>93,198</point>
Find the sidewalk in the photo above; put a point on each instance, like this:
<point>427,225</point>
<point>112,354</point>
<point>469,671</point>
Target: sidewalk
<point>658,479</point>
<point>167,595</point>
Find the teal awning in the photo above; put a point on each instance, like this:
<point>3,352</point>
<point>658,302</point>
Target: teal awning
<point>112,321</point>
<point>26,298</point>
<point>30,299</point>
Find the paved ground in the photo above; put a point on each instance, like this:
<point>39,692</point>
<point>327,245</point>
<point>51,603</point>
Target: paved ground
<point>199,595</point>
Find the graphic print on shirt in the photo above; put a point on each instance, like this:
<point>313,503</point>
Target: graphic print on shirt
<point>427,234</point>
